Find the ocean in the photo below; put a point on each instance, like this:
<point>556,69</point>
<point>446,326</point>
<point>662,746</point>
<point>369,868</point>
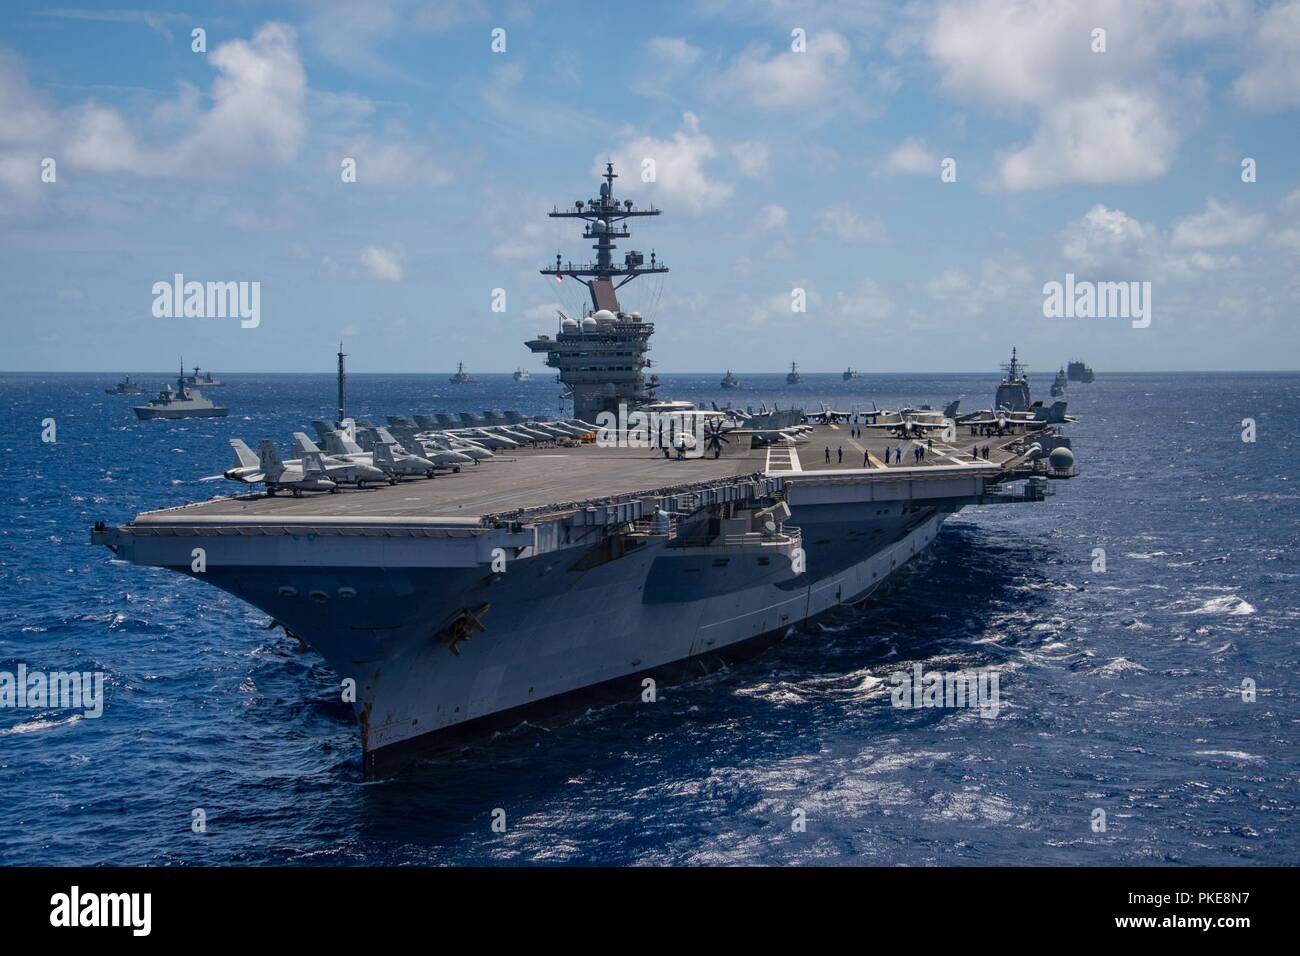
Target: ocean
<point>1121,690</point>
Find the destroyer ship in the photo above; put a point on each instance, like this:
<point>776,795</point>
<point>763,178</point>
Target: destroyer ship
<point>469,602</point>
<point>125,387</point>
<point>184,402</point>
<point>203,381</point>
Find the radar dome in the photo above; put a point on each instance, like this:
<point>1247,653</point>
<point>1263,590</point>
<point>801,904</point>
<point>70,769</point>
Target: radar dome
<point>569,324</point>
<point>1061,458</point>
<point>588,324</point>
<point>598,226</point>
<point>604,317</point>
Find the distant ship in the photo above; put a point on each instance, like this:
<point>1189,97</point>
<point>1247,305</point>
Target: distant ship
<point>1079,372</point>
<point>462,377</point>
<point>730,381</point>
<point>185,402</point>
<point>850,375</point>
<point>521,375</point>
<point>1058,384</point>
<point>205,380</point>
<point>794,378</point>
<point>125,387</point>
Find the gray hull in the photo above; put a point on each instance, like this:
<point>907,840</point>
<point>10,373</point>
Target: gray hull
<point>146,412</point>
<point>552,630</point>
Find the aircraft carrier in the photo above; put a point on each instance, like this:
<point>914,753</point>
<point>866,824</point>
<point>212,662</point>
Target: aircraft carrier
<point>472,600</point>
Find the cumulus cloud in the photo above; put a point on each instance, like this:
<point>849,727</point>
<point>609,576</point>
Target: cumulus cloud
<point>1111,242</point>
<point>1272,80</point>
<point>1219,225</point>
<point>1101,117</point>
<point>256,116</point>
<point>680,162</point>
<point>785,79</point>
<point>751,156</point>
<point>381,264</point>
<point>1112,136</point>
<point>913,158</point>
<point>849,227</point>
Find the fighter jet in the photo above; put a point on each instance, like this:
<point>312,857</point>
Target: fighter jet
<point>342,468</point>
<point>828,415</point>
<point>266,468</point>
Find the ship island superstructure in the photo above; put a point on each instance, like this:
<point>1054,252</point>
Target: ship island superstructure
<point>601,357</point>
<point>471,601</point>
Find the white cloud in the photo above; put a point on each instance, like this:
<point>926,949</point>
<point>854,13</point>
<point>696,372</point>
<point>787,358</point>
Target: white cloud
<point>751,156</point>
<point>397,160</point>
<point>101,141</point>
<point>680,166</point>
<point>256,117</point>
<point>1111,242</point>
<point>814,79</point>
<point>999,282</point>
<point>257,104</point>
<point>1272,80</point>
<point>1218,225</point>
<point>1102,117</point>
<point>674,50</point>
<point>867,303</point>
<point>913,158</point>
<point>381,264</point>
<point>770,218</point>
<point>1113,136</point>
<point>849,227</point>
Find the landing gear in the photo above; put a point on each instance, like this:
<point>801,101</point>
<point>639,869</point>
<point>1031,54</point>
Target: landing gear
<point>456,469</point>
<point>270,491</point>
<point>297,492</point>
<point>430,473</point>
<point>361,484</point>
<point>392,481</point>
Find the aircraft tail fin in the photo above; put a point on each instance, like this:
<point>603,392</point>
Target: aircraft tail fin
<point>334,443</point>
<point>302,445</point>
<point>350,446</point>
<point>383,454</point>
<point>321,427</point>
<point>244,457</point>
<point>950,410</point>
<point>312,464</point>
<point>269,459</point>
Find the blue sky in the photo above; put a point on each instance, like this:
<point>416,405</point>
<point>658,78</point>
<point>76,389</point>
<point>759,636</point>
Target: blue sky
<point>776,168</point>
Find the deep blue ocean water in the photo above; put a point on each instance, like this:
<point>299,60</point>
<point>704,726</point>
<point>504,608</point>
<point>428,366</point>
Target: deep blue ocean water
<point>1120,690</point>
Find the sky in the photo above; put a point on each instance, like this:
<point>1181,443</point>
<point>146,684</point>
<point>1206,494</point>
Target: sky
<point>920,171</point>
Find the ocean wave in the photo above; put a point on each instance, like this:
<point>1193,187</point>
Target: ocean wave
<point>1120,665</point>
<point>32,726</point>
<point>1229,604</point>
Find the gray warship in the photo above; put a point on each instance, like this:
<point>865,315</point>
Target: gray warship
<point>126,387</point>
<point>1059,383</point>
<point>203,381</point>
<point>1078,371</point>
<point>184,402</point>
<point>583,564</point>
<point>462,377</point>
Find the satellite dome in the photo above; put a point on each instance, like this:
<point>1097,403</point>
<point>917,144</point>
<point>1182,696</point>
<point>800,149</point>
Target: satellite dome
<point>569,324</point>
<point>588,323</point>
<point>1061,458</point>
<point>635,316</point>
<point>604,317</point>
<point>599,226</point>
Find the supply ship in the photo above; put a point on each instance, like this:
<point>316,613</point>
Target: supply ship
<point>645,538</point>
